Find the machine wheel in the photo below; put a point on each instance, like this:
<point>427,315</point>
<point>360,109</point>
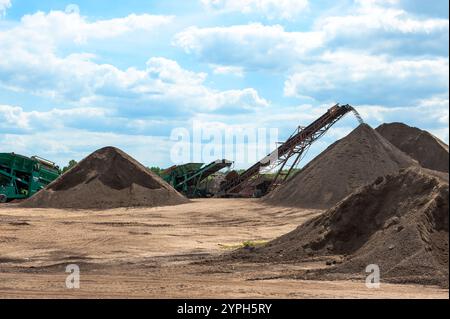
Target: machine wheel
<point>3,198</point>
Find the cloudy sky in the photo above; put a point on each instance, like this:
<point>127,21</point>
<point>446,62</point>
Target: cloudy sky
<point>79,75</point>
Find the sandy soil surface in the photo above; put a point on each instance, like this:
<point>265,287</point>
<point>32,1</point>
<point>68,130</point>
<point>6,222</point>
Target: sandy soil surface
<point>160,253</point>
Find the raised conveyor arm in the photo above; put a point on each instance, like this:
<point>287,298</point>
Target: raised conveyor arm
<point>302,139</point>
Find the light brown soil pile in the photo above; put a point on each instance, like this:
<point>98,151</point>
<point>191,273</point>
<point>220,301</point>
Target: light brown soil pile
<point>107,178</point>
<point>424,147</point>
<point>357,159</point>
<point>399,222</point>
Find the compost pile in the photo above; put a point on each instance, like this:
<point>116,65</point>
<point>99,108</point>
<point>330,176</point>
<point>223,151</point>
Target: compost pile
<point>354,161</point>
<point>399,222</point>
<point>427,149</point>
<point>107,178</point>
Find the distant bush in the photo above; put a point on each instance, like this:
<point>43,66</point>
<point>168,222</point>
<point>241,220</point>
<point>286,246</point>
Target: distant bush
<point>71,164</point>
<point>156,169</point>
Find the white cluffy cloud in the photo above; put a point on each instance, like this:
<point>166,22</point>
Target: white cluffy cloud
<point>374,15</point>
<point>162,85</point>
<point>272,9</point>
<point>71,26</point>
<point>4,4</point>
<point>231,70</point>
<point>16,119</point>
<point>372,26</point>
<point>361,78</point>
<point>30,61</point>
<point>252,45</point>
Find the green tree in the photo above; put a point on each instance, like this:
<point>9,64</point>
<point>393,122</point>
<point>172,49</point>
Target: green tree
<point>71,164</point>
<point>156,169</point>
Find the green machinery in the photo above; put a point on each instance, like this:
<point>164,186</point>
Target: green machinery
<point>187,178</point>
<point>21,176</point>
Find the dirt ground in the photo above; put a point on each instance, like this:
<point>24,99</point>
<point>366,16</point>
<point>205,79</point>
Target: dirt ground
<point>159,253</point>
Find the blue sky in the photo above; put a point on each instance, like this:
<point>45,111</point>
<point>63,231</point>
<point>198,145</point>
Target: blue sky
<point>79,75</point>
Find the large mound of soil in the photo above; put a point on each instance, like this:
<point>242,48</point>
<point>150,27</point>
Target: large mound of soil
<point>399,222</point>
<point>357,159</point>
<point>107,178</point>
<point>424,147</point>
